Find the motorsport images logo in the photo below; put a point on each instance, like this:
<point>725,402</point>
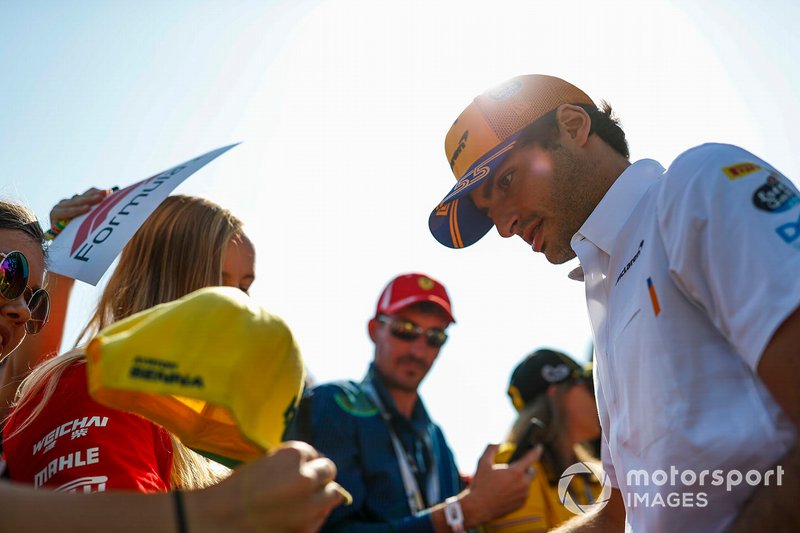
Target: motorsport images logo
<point>566,497</point>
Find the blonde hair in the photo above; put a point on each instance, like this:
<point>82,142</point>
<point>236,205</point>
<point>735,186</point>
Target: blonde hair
<point>179,249</point>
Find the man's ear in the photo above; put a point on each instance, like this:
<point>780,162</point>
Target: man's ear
<point>574,122</point>
<point>372,327</point>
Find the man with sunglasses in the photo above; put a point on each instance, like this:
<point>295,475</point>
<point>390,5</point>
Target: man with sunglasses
<point>389,454</point>
<point>692,288</point>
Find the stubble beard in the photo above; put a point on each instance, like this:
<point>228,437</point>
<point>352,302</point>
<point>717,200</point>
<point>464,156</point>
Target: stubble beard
<point>571,179</point>
<point>397,381</point>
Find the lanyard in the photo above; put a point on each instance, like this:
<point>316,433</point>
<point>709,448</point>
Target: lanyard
<point>416,502</point>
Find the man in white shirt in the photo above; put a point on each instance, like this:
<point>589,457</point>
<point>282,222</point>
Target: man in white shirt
<point>693,289</point>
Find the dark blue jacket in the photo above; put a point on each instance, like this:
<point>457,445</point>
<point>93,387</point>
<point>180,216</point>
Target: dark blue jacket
<point>341,421</point>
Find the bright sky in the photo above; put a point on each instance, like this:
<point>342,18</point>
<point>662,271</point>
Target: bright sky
<point>342,107</point>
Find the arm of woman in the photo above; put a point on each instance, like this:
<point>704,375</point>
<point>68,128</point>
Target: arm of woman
<point>290,490</point>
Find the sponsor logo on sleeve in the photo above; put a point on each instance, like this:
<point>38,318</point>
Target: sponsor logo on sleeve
<point>774,196</point>
<point>789,232</point>
<point>740,170</point>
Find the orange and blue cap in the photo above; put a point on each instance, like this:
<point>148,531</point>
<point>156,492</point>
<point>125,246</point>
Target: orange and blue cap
<point>481,138</point>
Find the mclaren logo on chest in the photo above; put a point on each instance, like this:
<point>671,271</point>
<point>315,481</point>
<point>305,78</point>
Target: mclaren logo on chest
<point>630,263</point>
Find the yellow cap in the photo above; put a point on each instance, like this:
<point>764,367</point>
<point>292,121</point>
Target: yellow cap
<point>214,368</point>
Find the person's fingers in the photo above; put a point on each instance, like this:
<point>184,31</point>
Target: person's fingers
<point>313,512</point>
<point>67,209</point>
<point>331,496</point>
<point>307,452</point>
<point>487,458</point>
<point>321,470</point>
<point>62,212</point>
<point>90,196</point>
<point>94,191</point>
<point>347,498</point>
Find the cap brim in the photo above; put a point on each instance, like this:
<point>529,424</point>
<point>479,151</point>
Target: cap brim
<point>456,222</point>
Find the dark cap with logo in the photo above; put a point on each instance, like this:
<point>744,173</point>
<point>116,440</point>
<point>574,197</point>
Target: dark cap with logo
<point>538,371</point>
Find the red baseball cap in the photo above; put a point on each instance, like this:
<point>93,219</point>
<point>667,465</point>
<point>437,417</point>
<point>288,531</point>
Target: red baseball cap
<point>408,289</point>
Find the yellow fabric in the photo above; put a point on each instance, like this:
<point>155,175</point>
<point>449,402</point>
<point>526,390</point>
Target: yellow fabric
<point>213,368</point>
<point>542,509</point>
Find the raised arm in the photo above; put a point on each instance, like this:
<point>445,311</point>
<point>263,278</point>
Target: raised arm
<point>496,490</point>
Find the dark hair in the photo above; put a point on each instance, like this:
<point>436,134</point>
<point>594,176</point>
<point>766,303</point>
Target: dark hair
<point>18,217</point>
<point>603,123</point>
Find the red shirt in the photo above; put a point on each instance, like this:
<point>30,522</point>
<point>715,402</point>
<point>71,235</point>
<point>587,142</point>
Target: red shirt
<point>78,445</point>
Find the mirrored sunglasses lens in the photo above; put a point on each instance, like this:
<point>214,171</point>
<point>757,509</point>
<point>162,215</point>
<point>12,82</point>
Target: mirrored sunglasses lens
<point>404,330</point>
<point>39,306</point>
<point>13,275</point>
<point>436,338</point>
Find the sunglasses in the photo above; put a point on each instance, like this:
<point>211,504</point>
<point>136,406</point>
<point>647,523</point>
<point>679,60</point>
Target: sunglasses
<point>14,283</point>
<point>408,331</point>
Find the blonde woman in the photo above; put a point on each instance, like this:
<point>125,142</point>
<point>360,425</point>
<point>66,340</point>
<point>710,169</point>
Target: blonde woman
<point>290,489</point>
<point>57,436</point>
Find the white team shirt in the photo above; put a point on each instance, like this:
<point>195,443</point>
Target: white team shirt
<point>688,274</point>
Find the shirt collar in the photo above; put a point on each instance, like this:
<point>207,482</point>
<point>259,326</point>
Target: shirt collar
<point>606,221</point>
